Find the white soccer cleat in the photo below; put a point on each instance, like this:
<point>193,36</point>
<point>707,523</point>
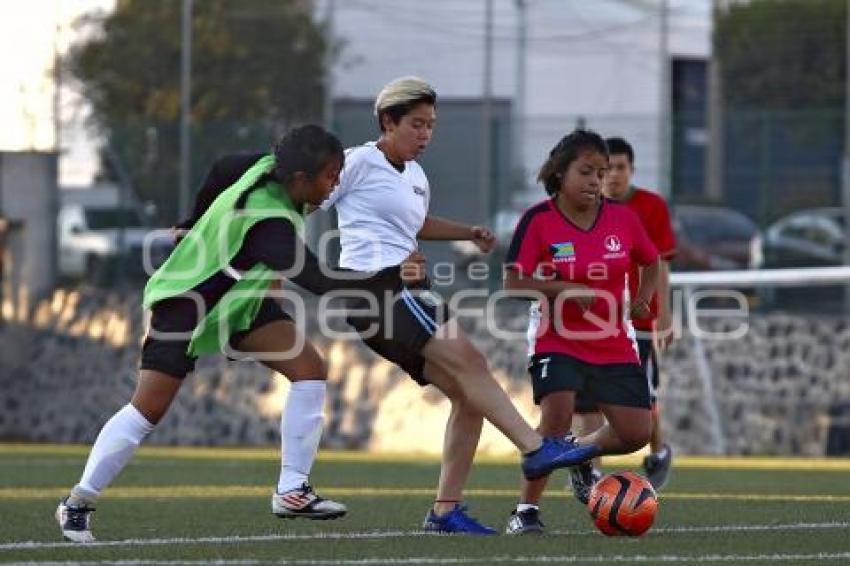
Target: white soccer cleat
<point>304,502</point>
<point>75,521</point>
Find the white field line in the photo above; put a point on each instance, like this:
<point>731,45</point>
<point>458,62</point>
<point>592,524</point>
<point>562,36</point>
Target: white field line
<point>372,535</point>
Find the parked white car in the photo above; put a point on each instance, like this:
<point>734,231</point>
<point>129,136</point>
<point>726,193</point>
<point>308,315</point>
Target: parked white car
<point>95,240</point>
<point>814,237</point>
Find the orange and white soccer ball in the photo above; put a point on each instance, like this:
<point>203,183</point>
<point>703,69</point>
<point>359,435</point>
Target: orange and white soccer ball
<point>623,504</point>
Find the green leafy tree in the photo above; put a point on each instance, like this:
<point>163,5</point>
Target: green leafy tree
<point>257,69</point>
<point>782,70</point>
<point>782,54</point>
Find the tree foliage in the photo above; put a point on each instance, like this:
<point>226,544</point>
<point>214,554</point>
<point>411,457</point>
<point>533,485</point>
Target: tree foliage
<point>782,54</point>
<point>782,65</point>
<point>257,68</point>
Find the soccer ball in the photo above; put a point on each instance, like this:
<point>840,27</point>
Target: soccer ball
<point>623,504</point>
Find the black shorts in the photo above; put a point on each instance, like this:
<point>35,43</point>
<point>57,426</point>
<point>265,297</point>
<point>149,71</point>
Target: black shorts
<point>648,363</point>
<point>179,315</point>
<point>614,384</point>
<point>404,321</point>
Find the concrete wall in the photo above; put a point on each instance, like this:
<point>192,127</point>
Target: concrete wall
<point>28,193</point>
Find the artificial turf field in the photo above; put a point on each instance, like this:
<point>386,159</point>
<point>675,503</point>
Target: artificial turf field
<point>186,506</point>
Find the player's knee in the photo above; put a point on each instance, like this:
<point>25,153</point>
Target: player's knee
<point>462,407</point>
<point>469,359</point>
<point>636,437</point>
<point>319,368</point>
<point>314,369</point>
<point>308,365</point>
<point>152,410</point>
<point>465,410</point>
<point>454,392</point>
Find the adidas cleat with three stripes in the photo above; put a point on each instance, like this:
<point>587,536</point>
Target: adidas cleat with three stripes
<point>305,502</point>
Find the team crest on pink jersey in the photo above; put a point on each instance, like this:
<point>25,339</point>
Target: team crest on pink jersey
<point>612,243</point>
<point>614,247</point>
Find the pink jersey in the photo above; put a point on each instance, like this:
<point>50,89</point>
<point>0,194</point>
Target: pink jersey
<point>548,244</point>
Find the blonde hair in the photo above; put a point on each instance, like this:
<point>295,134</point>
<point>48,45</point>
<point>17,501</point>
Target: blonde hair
<point>399,96</point>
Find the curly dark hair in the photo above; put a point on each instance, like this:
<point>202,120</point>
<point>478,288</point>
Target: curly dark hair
<point>564,153</point>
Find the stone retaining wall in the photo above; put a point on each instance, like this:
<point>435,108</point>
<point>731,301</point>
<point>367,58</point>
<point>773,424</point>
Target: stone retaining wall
<point>68,368</point>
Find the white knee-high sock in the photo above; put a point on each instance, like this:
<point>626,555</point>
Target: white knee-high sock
<point>115,445</point>
<point>300,430</point>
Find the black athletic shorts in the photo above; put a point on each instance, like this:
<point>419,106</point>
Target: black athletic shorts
<point>614,384</point>
<point>586,404</point>
<point>399,323</point>
<point>649,363</point>
<point>179,315</point>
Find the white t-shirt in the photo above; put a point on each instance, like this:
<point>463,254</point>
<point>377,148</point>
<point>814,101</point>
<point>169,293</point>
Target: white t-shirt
<point>380,210</point>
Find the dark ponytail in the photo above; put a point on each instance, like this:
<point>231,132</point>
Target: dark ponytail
<point>307,149</point>
<point>564,153</point>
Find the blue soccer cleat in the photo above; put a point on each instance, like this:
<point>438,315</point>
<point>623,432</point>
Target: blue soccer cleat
<point>555,453</point>
<point>455,521</point>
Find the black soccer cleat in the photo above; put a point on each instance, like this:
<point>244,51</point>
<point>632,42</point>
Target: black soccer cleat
<point>524,523</point>
<point>582,479</point>
<point>657,467</point>
<point>75,521</point>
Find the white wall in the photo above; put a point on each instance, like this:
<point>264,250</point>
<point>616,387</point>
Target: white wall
<point>598,59</point>
<point>28,192</point>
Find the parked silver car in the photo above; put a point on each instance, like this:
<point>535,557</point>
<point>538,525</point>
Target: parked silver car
<point>712,238</point>
<point>813,237</point>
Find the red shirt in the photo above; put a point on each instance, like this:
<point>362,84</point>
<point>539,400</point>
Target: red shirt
<point>652,211</point>
<point>548,244</point>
